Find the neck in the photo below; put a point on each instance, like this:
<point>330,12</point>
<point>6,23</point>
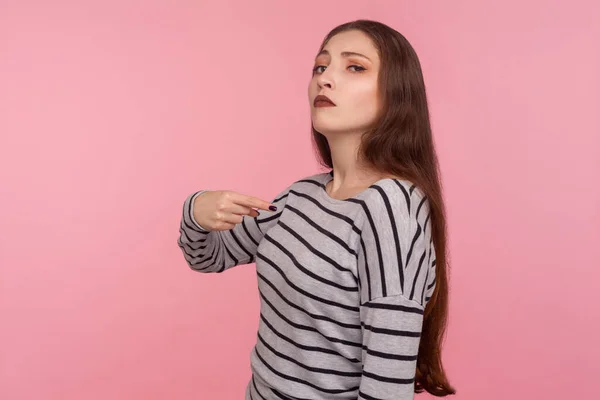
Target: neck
<point>348,171</point>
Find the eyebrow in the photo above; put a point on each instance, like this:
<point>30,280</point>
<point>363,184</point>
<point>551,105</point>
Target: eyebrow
<point>344,54</point>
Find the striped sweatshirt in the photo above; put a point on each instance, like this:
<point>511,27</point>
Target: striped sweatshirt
<point>342,285</point>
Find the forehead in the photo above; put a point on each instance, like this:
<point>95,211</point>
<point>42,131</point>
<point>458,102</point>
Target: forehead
<point>353,41</point>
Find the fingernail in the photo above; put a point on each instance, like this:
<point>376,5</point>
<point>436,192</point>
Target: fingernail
<point>273,208</point>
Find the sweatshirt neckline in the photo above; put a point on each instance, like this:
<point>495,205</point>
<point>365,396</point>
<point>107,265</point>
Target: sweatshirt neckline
<point>328,177</point>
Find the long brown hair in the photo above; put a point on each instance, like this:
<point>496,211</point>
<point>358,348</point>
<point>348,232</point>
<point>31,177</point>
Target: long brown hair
<point>401,144</point>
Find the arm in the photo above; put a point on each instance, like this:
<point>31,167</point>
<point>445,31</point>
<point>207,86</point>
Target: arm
<point>396,266</point>
<point>217,251</point>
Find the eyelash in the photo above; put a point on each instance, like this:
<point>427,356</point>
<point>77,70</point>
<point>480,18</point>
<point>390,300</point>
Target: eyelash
<point>360,69</point>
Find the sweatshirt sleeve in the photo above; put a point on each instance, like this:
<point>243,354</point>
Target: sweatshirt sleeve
<point>396,268</point>
<point>217,251</point>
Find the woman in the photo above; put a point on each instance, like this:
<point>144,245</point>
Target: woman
<point>351,263</point>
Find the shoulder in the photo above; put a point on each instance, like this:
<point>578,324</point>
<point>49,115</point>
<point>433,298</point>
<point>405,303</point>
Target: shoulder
<point>395,243</point>
<point>300,182</point>
<point>393,197</point>
<point>312,180</point>
<point>317,177</point>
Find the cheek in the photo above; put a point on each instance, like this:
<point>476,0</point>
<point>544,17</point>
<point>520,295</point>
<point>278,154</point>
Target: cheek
<point>365,99</point>
<point>312,87</point>
<point>312,93</point>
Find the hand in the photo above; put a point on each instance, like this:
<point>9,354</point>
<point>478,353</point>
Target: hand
<point>221,210</point>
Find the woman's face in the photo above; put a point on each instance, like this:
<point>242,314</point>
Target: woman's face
<point>346,72</point>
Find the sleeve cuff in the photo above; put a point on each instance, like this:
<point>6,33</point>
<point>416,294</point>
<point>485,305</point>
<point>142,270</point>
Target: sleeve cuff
<point>191,216</point>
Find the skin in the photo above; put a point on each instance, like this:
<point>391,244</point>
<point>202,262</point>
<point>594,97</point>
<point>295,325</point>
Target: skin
<point>350,81</point>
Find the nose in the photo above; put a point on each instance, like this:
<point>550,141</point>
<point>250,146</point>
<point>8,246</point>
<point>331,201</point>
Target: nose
<point>324,80</point>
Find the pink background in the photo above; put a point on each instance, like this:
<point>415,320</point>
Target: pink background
<point>112,113</point>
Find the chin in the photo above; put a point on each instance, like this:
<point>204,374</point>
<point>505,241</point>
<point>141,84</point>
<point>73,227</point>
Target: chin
<point>323,127</point>
<point>326,128</point>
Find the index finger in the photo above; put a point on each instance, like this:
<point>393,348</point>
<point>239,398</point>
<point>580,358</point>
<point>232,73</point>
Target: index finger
<point>254,202</point>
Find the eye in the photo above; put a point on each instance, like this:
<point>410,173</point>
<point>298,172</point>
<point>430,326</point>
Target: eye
<point>358,68</point>
<point>316,69</point>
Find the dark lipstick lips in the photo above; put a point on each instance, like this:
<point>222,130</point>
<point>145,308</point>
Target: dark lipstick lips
<point>322,98</point>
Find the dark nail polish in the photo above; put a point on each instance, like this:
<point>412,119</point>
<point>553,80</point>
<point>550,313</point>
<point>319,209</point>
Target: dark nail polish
<point>273,208</point>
